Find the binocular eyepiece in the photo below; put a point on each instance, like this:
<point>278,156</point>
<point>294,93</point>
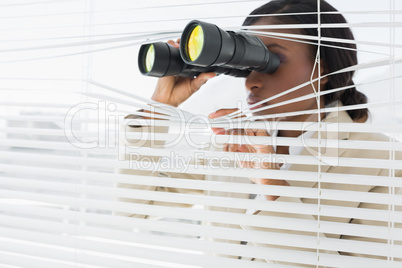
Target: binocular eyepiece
<point>204,47</point>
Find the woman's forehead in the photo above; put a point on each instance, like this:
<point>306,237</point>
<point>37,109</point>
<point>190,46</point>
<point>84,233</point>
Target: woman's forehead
<point>280,42</point>
<point>270,22</point>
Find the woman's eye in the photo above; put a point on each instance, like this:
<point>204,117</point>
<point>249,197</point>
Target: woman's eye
<point>282,58</point>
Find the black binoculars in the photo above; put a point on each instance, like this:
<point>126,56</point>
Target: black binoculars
<point>204,47</point>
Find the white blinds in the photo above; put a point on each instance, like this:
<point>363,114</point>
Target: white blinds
<point>82,185</point>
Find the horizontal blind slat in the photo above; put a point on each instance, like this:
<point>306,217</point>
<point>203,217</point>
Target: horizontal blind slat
<point>195,169</point>
<point>281,125</point>
<point>12,258</point>
<point>213,216</point>
<point>285,141</point>
<point>292,240</point>
<point>72,258</point>
<point>276,254</point>
<point>209,138</point>
<point>228,202</point>
<point>201,185</point>
<point>124,250</point>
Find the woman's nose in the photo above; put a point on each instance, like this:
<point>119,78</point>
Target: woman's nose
<point>254,81</point>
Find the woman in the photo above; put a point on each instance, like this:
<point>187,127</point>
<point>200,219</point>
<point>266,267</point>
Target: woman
<point>297,67</point>
<point>297,64</point>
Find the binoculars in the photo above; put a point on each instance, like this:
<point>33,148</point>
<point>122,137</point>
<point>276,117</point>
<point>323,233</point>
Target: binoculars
<point>204,47</point>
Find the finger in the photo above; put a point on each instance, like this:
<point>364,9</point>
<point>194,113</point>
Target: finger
<point>268,165</point>
<point>223,112</point>
<point>246,164</point>
<point>173,43</point>
<point>226,147</point>
<point>243,149</point>
<point>246,148</point>
<point>200,80</point>
<point>261,132</point>
<point>239,115</point>
<point>235,131</point>
<point>249,132</point>
<point>260,148</point>
<point>219,131</point>
<point>233,147</point>
<point>229,146</point>
<point>264,149</point>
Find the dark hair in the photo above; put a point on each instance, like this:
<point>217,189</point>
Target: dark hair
<point>333,58</point>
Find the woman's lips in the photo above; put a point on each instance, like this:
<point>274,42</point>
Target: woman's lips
<point>257,107</point>
<point>252,100</point>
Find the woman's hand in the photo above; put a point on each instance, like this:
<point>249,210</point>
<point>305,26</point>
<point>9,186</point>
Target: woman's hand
<point>174,90</point>
<point>250,148</point>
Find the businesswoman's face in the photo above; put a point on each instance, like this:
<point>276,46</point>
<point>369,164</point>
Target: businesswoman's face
<point>296,67</point>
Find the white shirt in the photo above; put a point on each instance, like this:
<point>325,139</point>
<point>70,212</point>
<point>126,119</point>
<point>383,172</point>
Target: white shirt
<point>293,150</point>
<point>296,150</point>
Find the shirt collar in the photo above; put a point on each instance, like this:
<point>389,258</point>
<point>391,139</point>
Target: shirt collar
<point>329,132</point>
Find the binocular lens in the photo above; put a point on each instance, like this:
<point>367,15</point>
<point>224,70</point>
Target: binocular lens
<point>195,43</point>
<point>149,58</point>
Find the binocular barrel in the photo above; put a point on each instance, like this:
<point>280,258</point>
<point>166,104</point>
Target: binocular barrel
<point>204,47</point>
<point>161,59</point>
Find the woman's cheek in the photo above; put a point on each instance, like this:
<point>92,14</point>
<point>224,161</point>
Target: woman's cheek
<point>300,75</point>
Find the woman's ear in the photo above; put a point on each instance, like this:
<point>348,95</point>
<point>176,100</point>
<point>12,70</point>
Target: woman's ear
<point>324,72</point>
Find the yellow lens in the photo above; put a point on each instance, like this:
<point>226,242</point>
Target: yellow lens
<point>149,58</point>
<point>195,43</point>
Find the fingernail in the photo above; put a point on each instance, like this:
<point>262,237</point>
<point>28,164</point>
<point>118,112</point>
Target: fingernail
<point>212,115</point>
<point>210,76</point>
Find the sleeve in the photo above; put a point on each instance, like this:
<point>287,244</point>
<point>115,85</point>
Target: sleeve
<point>288,233</point>
<point>384,223</point>
<point>130,155</point>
